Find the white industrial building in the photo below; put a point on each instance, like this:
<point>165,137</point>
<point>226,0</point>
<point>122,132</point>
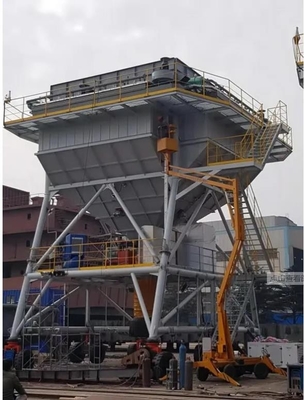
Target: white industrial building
<point>286,239</point>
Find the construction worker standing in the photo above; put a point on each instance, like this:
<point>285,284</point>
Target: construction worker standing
<point>11,383</point>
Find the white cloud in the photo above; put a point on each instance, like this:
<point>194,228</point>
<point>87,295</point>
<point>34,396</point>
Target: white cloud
<point>133,34</point>
<point>55,7</point>
<point>78,28</point>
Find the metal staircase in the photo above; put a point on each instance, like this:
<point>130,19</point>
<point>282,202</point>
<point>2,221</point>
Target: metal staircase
<point>258,257</point>
<point>268,139</point>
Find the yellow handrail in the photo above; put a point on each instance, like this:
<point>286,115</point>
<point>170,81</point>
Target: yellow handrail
<point>19,109</point>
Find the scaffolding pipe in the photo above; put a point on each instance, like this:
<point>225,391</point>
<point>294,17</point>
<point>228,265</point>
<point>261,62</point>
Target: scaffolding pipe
<point>48,308</point>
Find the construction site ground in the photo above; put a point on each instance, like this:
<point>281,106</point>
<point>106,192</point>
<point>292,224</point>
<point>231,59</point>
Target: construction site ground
<point>274,386</point>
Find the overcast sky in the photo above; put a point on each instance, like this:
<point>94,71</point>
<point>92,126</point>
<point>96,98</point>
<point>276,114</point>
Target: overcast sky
<point>52,41</point>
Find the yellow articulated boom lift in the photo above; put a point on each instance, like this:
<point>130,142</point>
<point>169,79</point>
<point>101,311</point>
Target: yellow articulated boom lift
<point>221,361</point>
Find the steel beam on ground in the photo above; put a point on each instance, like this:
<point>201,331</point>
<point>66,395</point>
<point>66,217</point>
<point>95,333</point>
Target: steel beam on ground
<point>141,301</point>
<point>36,243</point>
<point>68,228</point>
<point>183,303</point>
<point>134,223</point>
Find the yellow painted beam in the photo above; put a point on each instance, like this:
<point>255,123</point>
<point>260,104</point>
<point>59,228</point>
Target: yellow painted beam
<point>100,267</point>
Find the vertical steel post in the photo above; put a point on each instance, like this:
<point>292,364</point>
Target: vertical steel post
<point>198,304</point>
<point>87,308</point>
<point>162,274</point>
<point>36,243</point>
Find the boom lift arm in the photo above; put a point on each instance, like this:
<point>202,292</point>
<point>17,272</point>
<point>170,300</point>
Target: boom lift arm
<point>230,186</point>
<point>222,362</point>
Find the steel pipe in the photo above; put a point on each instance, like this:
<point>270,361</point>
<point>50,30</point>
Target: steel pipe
<point>97,273</point>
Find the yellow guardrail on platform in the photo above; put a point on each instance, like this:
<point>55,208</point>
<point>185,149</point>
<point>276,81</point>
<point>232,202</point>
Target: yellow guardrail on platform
<point>99,255</point>
<point>254,144</point>
<point>126,88</point>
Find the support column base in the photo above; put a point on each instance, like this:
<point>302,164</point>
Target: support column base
<point>138,328</point>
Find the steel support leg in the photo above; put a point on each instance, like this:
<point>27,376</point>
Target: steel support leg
<point>141,300</point>
<point>162,275</point>
<point>69,227</point>
<point>36,243</point>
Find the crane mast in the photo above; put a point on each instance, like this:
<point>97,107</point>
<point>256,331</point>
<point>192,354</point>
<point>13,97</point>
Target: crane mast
<point>298,51</point>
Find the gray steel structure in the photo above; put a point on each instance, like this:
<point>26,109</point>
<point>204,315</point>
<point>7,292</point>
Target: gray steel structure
<point>97,140</point>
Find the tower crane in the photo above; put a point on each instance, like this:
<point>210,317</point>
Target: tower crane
<point>298,51</point>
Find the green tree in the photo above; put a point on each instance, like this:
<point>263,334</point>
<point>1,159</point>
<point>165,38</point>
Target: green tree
<point>279,298</point>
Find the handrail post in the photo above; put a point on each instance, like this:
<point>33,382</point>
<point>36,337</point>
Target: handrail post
<point>147,82</point>
<point>94,96</point>
<point>120,83</point>
<point>45,107</point>
<point>23,103</point>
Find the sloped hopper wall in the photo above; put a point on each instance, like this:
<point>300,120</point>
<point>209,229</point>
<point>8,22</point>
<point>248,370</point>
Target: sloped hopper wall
<point>121,143</point>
